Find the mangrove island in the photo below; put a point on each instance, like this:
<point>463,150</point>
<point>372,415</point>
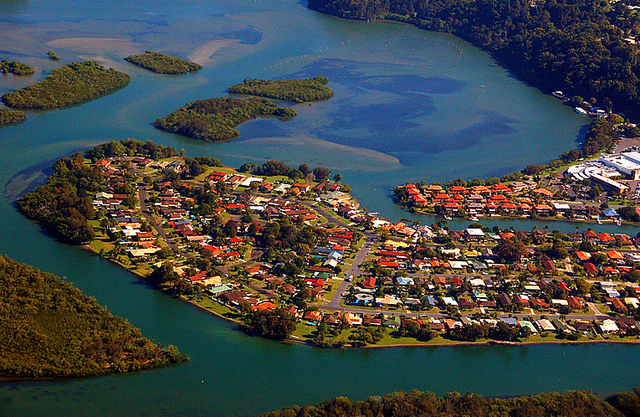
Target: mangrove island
<point>162,63</point>
<point>215,119</point>
<point>296,91</point>
<point>15,68</point>
<point>11,116</point>
<point>73,83</point>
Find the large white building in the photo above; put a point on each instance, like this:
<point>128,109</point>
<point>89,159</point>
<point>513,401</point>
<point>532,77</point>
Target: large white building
<point>627,163</point>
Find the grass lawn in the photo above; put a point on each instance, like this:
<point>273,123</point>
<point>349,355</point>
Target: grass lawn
<point>388,340</point>
<point>216,307</point>
<point>335,283</point>
<point>603,308</point>
<point>304,331</point>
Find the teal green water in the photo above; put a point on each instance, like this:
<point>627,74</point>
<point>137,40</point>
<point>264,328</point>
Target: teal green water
<point>408,105</point>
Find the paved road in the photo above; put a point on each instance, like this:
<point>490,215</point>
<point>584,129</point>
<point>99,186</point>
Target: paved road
<point>142,196</point>
<point>354,270</point>
<point>254,256</point>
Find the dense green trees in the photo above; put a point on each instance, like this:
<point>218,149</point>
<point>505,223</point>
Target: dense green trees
<point>163,64</point>
<point>297,91</point>
<point>510,250</point>
<point>277,324</point>
<point>577,46</point>
<point>48,328</point>
<point>73,83</point>
<point>215,119</point>
<point>16,68</point>
<point>132,147</point>
<point>63,206</point>
<point>419,404</point>
<point>11,116</point>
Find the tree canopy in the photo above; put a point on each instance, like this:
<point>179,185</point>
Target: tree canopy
<point>73,83</point>
<point>215,119</point>
<point>296,91</point>
<point>419,404</point>
<point>11,116</point>
<point>48,328</point>
<point>16,68</point>
<point>163,64</point>
<point>578,46</point>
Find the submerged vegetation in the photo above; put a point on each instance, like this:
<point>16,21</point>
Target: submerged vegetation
<point>215,119</point>
<point>163,64</point>
<point>11,116</point>
<point>16,68</point>
<point>48,329</point>
<point>416,404</point>
<point>73,83</point>
<point>584,47</point>
<point>296,91</point>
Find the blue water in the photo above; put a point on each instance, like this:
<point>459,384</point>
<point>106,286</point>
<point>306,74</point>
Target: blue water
<point>408,105</point>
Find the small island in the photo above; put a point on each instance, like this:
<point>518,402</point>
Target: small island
<point>296,91</point>
<point>15,68</point>
<point>11,116</point>
<point>52,56</point>
<point>49,329</point>
<point>73,83</point>
<point>162,63</point>
<point>215,119</point>
<point>417,403</point>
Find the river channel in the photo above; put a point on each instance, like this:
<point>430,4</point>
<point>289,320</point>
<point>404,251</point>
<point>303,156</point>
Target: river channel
<point>408,105</point>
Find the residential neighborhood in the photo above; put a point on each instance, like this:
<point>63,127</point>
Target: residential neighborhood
<point>289,254</point>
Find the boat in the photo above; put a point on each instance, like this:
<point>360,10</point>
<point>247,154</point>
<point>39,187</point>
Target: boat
<point>580,111</point>
<point>473,218</point>
<point>448,218</point>
<point>558,94</point>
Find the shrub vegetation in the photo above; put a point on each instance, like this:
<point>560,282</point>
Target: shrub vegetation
<point>296,91</point>
<point>16,68</point>
<point>163,64</point>
<point>49,329</point>
<point>418,404</point>
<point>215,119</point>
<point>11,116</point>
<point>73,83</point>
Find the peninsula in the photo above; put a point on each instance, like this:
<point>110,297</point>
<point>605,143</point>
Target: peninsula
<point>288,254</point>
<point>296,91</point>
<point>49,329</point>
<point>73,83</point>
<point>162,63</point>
<point>215,119</point>
<point>597,183</point>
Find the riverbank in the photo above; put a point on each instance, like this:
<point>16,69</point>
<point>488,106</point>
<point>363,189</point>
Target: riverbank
<point>499,343</point>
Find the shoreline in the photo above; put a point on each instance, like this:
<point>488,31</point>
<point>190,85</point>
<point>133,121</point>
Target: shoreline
<point>501,343</point>
<point>541,219</point>
<point>291,340</point>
